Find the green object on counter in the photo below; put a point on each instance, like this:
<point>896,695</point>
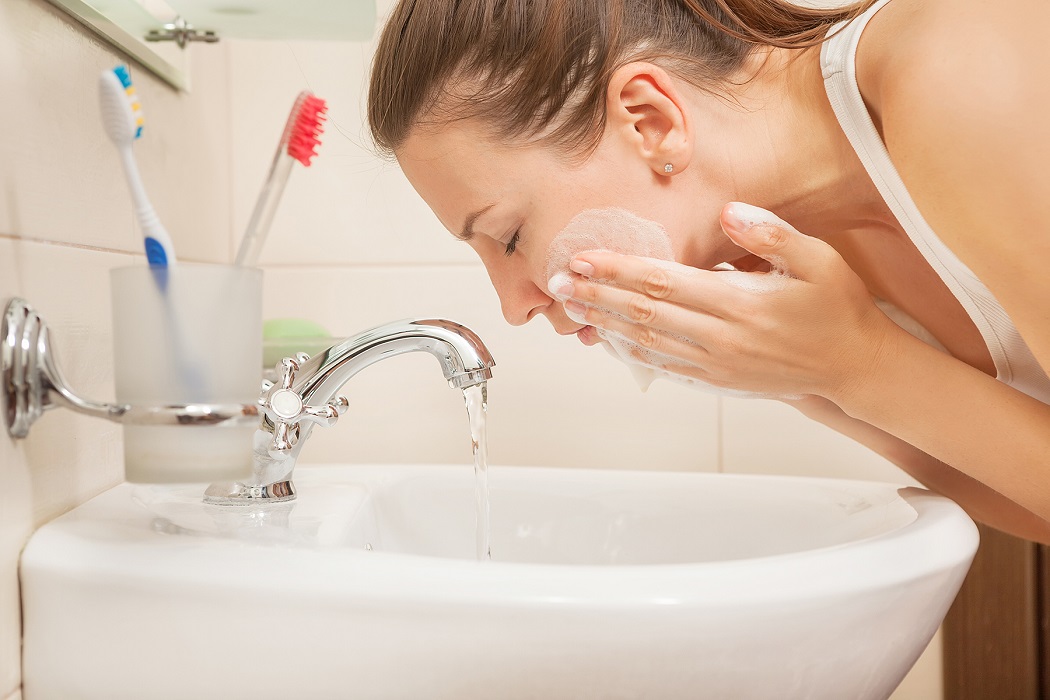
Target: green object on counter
<point>284,337</point>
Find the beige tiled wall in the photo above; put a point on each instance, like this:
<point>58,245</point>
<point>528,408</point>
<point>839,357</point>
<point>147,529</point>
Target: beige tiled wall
<point>65,220</point>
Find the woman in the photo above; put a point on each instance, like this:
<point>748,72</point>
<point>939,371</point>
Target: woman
<point>867,128</point>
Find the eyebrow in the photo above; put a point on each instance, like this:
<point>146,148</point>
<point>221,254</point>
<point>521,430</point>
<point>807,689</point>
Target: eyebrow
<point>468,225</point>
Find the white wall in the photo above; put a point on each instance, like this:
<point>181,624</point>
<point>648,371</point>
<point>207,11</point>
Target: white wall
<point>352,247</point>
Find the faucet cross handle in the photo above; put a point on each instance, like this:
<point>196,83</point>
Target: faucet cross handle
<point>286,409</point>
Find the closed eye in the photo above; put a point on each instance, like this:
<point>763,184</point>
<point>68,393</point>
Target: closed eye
<point>512,245</point>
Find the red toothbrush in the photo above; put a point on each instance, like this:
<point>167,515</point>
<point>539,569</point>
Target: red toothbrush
<point>299,142</point>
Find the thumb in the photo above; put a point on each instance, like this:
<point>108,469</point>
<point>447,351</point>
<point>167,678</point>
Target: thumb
<point>766,235</point>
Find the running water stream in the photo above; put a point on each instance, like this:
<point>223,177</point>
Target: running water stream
<point>477,400</point>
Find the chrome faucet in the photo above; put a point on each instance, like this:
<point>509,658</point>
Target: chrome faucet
<point>306,394</point>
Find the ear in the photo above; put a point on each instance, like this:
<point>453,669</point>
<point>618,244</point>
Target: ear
<point>644,106</point>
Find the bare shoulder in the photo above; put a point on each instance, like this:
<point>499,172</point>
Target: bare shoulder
<point>936,56</point>
<point>960,90</point>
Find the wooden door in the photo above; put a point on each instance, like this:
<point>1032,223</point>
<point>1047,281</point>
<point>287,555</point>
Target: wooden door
<point>996,642</point>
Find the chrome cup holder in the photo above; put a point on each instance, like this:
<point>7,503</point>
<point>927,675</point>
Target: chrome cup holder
<point>32,384</point>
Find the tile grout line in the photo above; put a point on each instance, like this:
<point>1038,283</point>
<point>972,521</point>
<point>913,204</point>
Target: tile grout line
<point>368,265</point>
<point>63,244</point>
<point>281,266</point>
<point>89,248</point>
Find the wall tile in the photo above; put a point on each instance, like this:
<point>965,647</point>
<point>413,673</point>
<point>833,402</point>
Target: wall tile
<point>60,177</point>
<point>17,695</point>
<point>769,437</point>
<point>552,401</point>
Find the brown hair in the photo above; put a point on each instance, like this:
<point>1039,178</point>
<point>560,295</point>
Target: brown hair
<point>524,67</point>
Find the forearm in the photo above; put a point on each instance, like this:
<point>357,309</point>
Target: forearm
<point>959,416</point>
<point>981,502</point>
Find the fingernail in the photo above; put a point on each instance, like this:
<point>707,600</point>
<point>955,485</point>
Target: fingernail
<point>575,307</point>
<point>581,267</point>
<point>560,285</point>
<point>741,217</point>
<point>576,311</point>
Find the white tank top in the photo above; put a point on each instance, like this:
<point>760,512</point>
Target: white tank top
<point>1014,363</point>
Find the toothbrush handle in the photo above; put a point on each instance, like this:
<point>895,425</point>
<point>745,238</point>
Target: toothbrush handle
<point>265,209</point>
<point>159,248</point>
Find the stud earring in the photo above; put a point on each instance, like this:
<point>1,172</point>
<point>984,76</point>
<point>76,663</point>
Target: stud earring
<point>668,168</point>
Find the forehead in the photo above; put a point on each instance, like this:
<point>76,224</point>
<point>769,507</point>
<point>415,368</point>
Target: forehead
<point>459,168</point>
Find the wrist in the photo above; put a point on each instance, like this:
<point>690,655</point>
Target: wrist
<point>867,363</point>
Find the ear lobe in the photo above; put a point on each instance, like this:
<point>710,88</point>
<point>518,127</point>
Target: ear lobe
<point>643,103</point>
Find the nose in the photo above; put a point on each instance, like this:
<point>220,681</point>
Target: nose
<point>519,298</point>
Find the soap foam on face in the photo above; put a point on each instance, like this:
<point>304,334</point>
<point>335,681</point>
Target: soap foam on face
<point>614,230</point>
<point>620,231</point>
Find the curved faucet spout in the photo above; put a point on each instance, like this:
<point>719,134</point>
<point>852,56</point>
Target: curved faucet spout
<point>307,394</point>
<point>464,359</point>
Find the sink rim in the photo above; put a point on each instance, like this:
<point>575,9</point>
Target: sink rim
<point>940,537</point>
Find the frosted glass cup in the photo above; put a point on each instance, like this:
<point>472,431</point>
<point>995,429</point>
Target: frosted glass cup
<point>191,334</point>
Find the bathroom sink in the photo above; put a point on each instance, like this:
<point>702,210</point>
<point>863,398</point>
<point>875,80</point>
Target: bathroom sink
<point>602,584</point>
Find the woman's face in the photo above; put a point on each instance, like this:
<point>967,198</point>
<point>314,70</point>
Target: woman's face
<point>509,201</point>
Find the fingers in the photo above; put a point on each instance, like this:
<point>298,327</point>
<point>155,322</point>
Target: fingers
<point>667,335</point>
<point>702,290</point>
<point>771,238</point>
<point>599,304</point>
<point>628,271</point>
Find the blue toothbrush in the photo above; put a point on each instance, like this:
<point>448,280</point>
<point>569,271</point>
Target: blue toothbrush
<point>123,121</point>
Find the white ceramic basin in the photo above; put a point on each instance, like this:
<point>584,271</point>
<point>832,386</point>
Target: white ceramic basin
<point>602,585</point>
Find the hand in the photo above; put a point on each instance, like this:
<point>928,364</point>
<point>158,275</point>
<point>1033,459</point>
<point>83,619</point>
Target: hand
<point>808,327</point>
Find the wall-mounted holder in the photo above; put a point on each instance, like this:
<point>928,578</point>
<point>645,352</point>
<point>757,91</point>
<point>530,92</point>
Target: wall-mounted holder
<point>31,383</point>
<point>181,32</point>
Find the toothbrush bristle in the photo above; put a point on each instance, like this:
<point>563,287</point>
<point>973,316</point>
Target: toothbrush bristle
<point>133,101</point>
<point>122,73</point>
<point>155,253</point>
<point>304,134</point>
